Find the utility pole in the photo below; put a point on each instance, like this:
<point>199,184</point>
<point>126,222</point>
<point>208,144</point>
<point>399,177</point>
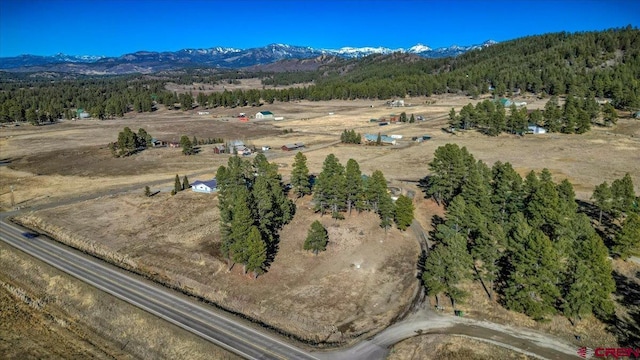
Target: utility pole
<point>13,200</point>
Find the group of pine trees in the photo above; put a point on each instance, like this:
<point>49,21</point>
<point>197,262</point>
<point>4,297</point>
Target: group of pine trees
<point>177,186</point>
<point>44,100</point>
<point>129,142</point>
<point>523,239</point>
<point>621,205</point>
<point>575,116</point>
<point>338,189</point>
<point>253,208</point>
<point>350,137</point>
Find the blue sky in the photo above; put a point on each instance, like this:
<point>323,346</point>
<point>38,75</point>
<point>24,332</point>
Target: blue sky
<point>116,27</point>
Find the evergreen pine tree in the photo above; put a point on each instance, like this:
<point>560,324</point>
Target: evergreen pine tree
<point>531,285</point>
<point>623,194</point>
<point>603,199</point>
<point>627,241</point>
<point>300,176</point>
<point>257,252</point>
<point>147,191</point>
<point>317,238</point>
<point>329,191</point>
<point>187,146</point>
<point>448,263</point>
<point>185,183</point>
<point>241,225</point>
<point>177,186</point>
<point>506,194</point>
<point>404,212</point>
<point>353,185</point>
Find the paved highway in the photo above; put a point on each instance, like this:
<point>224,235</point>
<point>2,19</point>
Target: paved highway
<point>226,332</point>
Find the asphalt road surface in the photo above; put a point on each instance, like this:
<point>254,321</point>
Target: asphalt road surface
<point>200,319</point>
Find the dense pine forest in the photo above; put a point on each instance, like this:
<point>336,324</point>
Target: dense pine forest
<point>583,65</point>
<point>526,241</point>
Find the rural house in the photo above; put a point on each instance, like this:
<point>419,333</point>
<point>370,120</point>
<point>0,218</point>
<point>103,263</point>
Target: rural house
<point>206,187</point>
<point>372,138</point>
<point>264,115</point>
<point>158,143</point>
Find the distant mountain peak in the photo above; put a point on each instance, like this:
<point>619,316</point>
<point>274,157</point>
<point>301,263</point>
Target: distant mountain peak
<point>151,61</point>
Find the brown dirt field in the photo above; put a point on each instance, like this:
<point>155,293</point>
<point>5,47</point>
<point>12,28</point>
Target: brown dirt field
<point>363,280</point>
<point>435,347</point>
<point>55,316</point>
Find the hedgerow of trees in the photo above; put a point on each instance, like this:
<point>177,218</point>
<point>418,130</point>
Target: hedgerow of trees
<point>253,208</point>
<point>576,116</point>
<point>338,190</point>
<point>350,137</point>
<point>129,142</point>
<point>621,205</point>
<point>522,239</point>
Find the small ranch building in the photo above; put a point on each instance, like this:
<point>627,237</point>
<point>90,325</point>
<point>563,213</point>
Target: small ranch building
<point>264,115</point>
<point>291,147</point>
<point>372,138</point>
<point>535,129</point>
<point>206,187</point>
<point>219,149</point>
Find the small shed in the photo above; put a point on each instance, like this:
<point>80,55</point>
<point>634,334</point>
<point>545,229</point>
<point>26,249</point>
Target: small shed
<point>158,143</point>
<point>291,147</point>
<point>174,144</point>
<point>206,187</point>
<point>219,149</point>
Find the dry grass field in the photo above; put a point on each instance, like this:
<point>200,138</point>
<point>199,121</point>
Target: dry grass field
<point>55,316</point>
<point>435,347</point>
<point>327,298</point>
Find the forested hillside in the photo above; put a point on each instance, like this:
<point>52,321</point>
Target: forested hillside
<point>584,65</point>
<point>604,64</point>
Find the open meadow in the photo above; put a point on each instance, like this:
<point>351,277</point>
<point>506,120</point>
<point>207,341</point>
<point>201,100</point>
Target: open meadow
<point>364,280</point>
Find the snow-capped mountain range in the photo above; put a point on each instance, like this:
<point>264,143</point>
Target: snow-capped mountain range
<point>217,57</point>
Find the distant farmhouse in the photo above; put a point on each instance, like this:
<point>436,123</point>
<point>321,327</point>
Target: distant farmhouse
<point>81,114</point>
<point>219,149</point>
<point>395,103</point>
<point>291,147</point>
<point>262,115</point>
<point>373,138</point>
<point>206,187</point>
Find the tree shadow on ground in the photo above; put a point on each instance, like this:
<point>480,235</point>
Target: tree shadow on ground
<point>626,328</point>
